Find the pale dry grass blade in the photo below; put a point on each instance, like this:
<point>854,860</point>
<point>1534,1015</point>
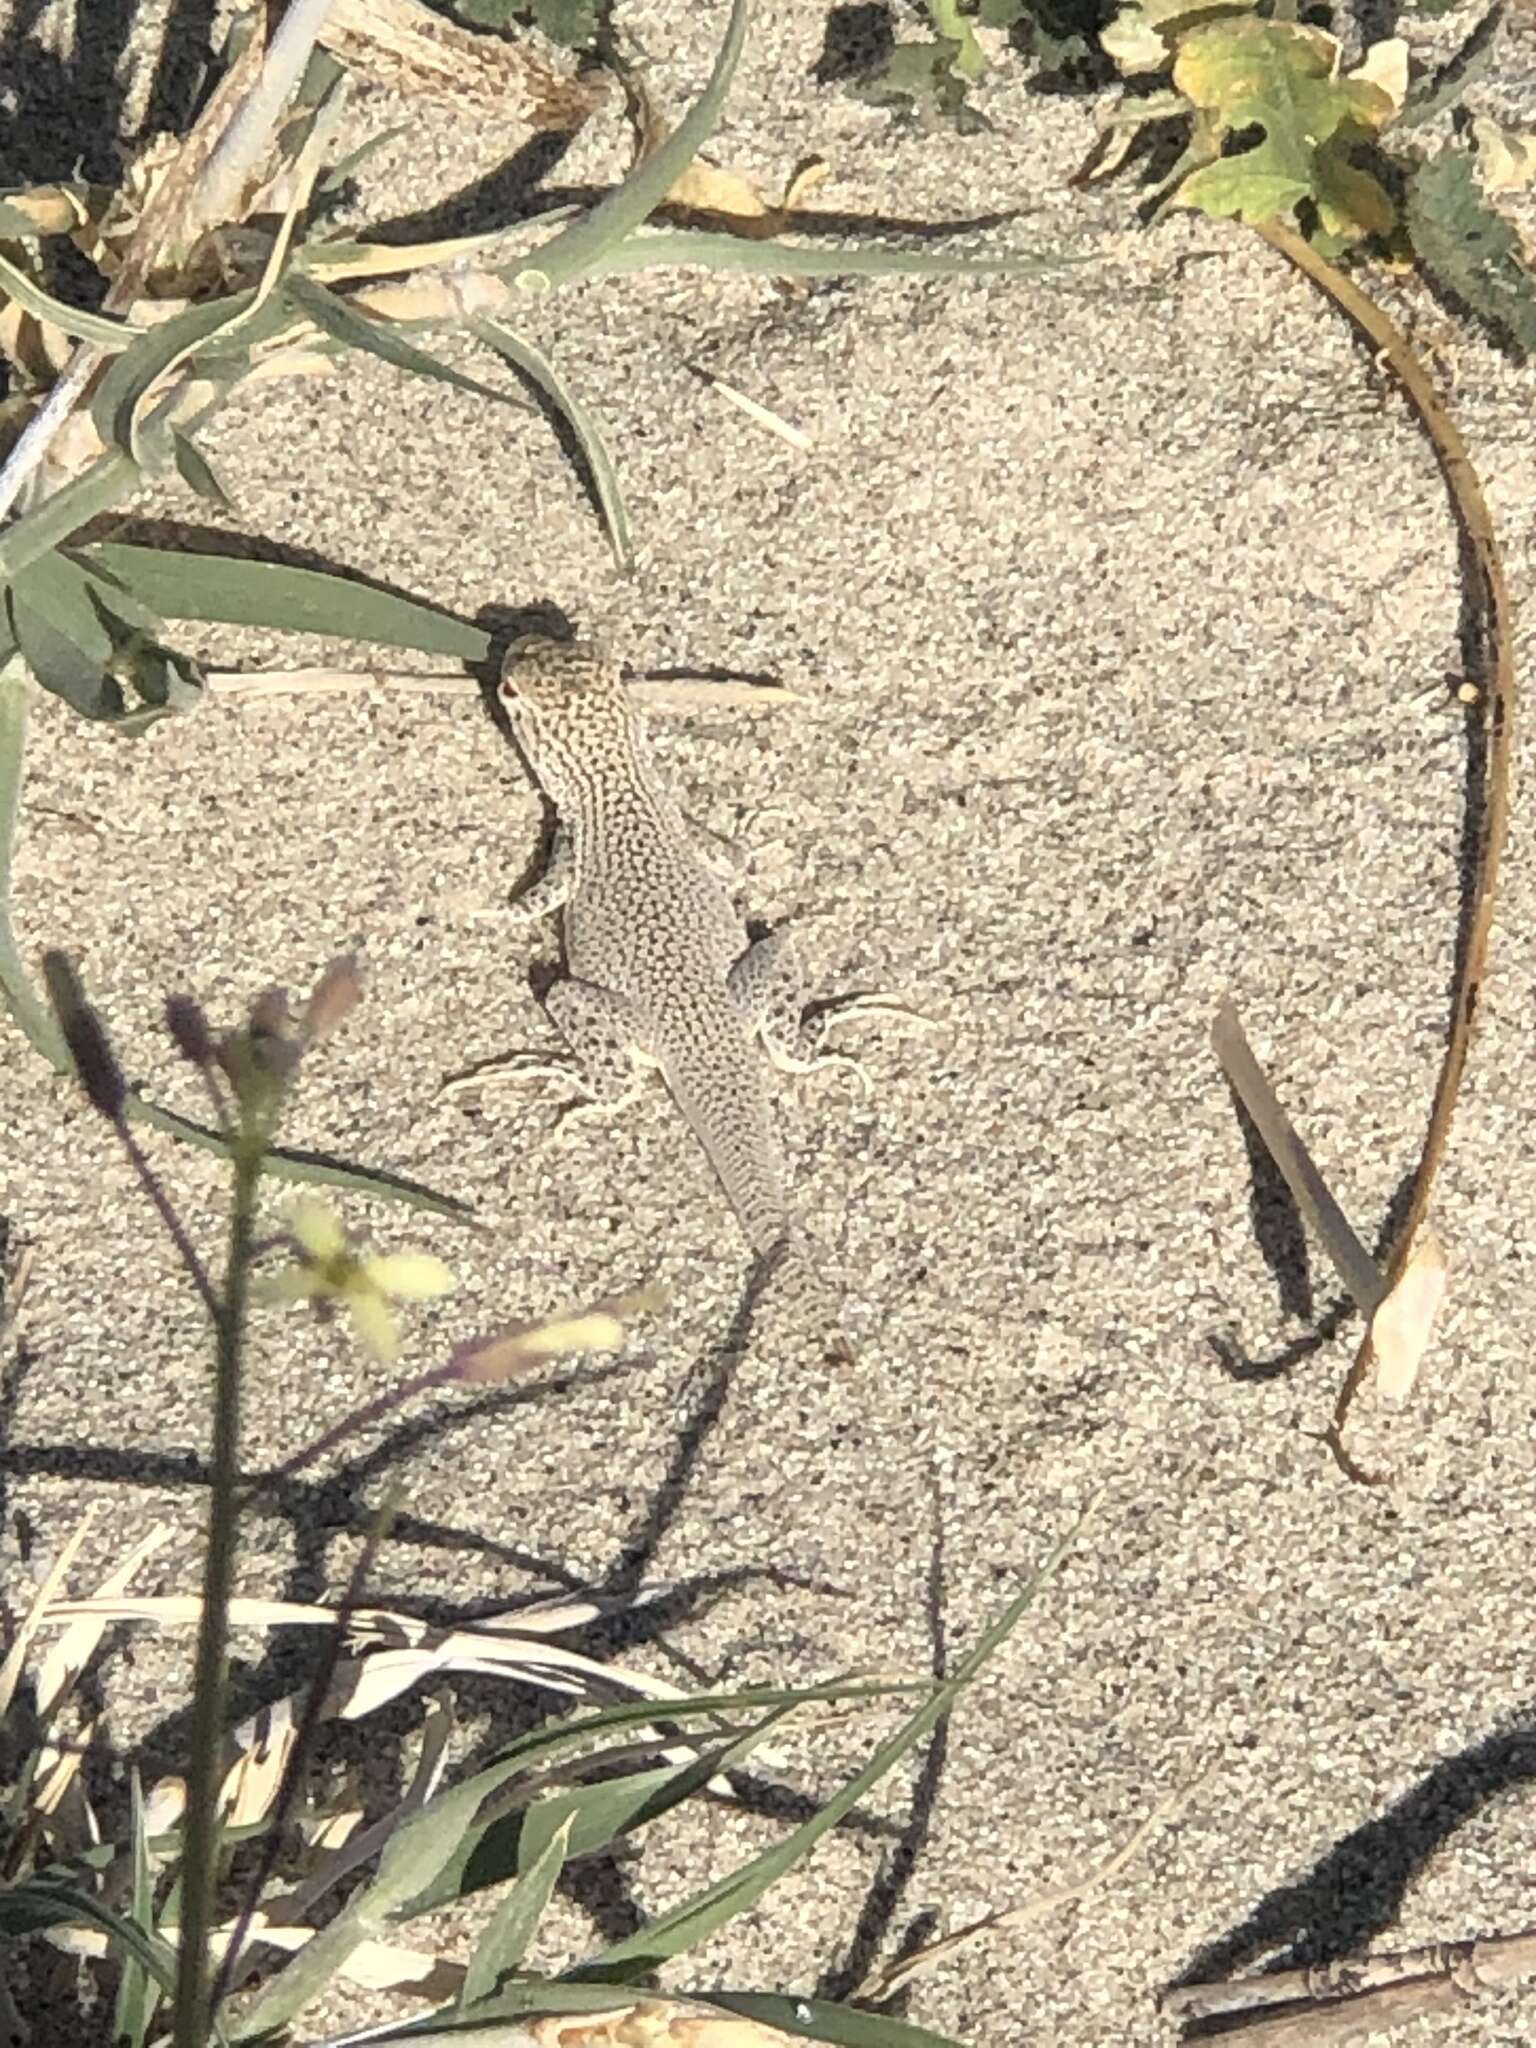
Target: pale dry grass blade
<point>59,1669</point>
<point>882,1984</point>
<point>759,414</point>
<point>1402,1327</point>
<point>251,687</point>
<point>16,1656</point>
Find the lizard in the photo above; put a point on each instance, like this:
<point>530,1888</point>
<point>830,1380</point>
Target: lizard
<point>661,972</point>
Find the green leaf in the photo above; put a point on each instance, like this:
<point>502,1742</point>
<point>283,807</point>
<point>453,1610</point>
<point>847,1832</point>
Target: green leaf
<point>511,1929</point>
<point>818,2019</point>
<point>136,1998</point>
<point>685,247</point>
<point>572,252</point>
<point>951,26</point>
<point>219,328</point>
<point>335,175</point>
<point>37,1904</point>
<point>1279,77</point>
<point>1465,242</point>
<point>583,423</point>
<point>925,79</point>
<point>376,338</point>
<point>48,525</point>
<point>683,1928</point>
<point>94,327</point>
<point>573,24</point>
<point>510,1842</point>
<point>197,472</point>
<point>66,645</point>
<point>37,1026</point>
<point>231,590</point>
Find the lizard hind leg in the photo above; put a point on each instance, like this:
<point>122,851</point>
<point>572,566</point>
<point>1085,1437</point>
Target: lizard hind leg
<point>603,1059</point>
<point>767,986</point>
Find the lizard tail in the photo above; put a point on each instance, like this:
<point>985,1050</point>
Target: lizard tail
<point>794,1276</point>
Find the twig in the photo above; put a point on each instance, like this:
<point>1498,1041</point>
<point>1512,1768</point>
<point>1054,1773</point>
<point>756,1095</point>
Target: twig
<point>1312,1195</point>
<point>210,1681</point>
<point>1496,709</point>
<point>1345,2003</point>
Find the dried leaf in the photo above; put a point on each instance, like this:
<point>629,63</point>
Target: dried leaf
<point>599,1328</point>
<point>1402,1327</point>
<point>1506,159</point>
<point>409,48</point>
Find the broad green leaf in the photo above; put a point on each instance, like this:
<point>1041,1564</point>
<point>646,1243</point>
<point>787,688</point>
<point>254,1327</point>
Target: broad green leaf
<point>37,1025</point>
<point>231,590</point>
<point>1279,77</point>
<point>926,79</point>
<point>583,423</point>
<point>1462,239</point>
<point>511,1928</point>
<point>574,250</point>
<point>375,337</point>
<point>818,2019</point>
<point>951,26</point>
<point>683,1928</point>
<point>136,1999</point>
<point>93,327</point>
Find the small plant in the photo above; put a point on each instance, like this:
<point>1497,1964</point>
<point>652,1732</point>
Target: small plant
<point>219,1948</point>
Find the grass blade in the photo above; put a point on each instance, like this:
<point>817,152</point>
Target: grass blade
<point>93,327</point>
<point>583,423</point>
<point>333,316</point>
<point>36,1905</point>
<point>817,2019</point>
<point>687,247</point>
<point>575,250</point>
<point>506,1940</point>
<point>136,1999</point>
<point>230,590</point>
<point>697,1918</point>
<point>48,525</point>
<point>153,355</point>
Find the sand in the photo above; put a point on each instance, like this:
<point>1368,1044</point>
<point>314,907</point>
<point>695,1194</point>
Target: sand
<point>1122,608</point>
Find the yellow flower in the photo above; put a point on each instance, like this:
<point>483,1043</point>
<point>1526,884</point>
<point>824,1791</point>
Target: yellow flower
<point>329,1270</point>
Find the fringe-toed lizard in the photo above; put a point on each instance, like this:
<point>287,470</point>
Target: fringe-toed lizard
<point>660,969</point>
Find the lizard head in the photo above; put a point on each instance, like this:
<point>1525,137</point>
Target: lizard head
<point>563,694</point>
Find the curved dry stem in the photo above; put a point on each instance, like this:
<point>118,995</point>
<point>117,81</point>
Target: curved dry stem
<point>1496,706</point>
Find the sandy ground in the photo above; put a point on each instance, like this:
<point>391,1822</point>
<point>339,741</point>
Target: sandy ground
<point>1120,608</point>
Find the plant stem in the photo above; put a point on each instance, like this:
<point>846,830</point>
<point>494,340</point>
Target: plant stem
<point>204,1769</point>
<point>251,129</point>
